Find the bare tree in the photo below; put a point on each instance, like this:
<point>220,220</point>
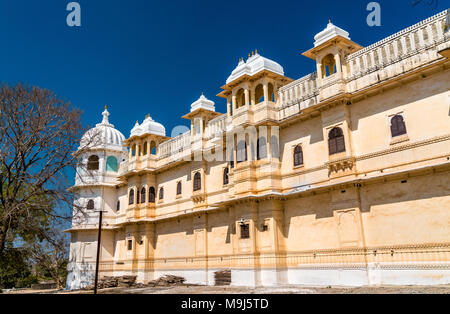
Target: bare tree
<point>38,135</point>
<point>50,256</point>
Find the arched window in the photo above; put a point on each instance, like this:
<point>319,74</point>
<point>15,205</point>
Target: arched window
<point>259,93</point>
<point>398,126</point>
<point>271,92</point>
<point>112,164</point>
<point>161,193</point>
<point>328,65</point>
<point>226,177</point>
<point>261,148</point>
<point>197,182</point>
<point>179,188</point>
<point>143,195</point>
<point>138,199</point>
<point>298,156</point>
<point>90,205</point>
<point>118,206</point>
<point>131,197</point>
<point>336,142</point>
<point>93,163</point>
<point>145,148</point>
<point>133,150</point>
<point>151,195</point>
<point>240,98</point>
<point>153,148</point>
<point>242,151</point>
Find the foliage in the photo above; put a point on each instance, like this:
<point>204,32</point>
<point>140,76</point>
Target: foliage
<point>15,269</point>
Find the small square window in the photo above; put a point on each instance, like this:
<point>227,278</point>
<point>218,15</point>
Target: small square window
<point>265,228</point>
<point>245,231</point>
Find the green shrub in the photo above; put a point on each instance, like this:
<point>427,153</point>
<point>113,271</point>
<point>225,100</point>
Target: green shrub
<point>15,270</point>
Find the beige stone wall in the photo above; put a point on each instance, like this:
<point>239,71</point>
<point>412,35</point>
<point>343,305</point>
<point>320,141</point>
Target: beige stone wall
<point>384,202</point>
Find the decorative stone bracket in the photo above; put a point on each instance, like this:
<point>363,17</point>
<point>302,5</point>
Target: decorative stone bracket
<point>199,198</point>
<point>341,165</point>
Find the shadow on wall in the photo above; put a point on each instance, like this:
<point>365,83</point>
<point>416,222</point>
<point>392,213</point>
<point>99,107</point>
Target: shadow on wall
<point>427,187</point>
<point>400,96</point>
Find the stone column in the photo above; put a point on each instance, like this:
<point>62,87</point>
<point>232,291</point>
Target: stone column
<point>247,97</point>
<point>254,226</point>
<point>275,92</point>
<point>146,266</point>
<point>278,236</point>
<point>412,41</point>
<point>234,103</point>
<point>421,38</point>
<point>229,108</point>
<point>266,91</point>
<point>337,59</point>
<point>138,150</point>
<point>252,96</point>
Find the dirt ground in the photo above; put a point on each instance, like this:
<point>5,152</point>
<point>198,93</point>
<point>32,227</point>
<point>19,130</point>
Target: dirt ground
<point>187,289</point>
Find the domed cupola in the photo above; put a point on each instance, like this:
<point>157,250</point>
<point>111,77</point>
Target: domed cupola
<point>254,65</point>
<point>103,136</point>
<point>252,82</point>
<point>149,126</point>
<point>331,31</point>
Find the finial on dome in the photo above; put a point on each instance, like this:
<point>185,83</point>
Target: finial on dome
<point>105,116</point>
<point>256,51</point>
<point>329,21</point>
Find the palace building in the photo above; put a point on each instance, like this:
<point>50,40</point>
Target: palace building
<point>341,177</point>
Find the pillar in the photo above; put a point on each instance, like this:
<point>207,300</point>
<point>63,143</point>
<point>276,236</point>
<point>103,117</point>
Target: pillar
<point>337,59</point>
<point>149,252</point>
<point>229,108</point>
<point>255,246</point>
<point>279,239</point>
<point>252,96</point>
<point>247,97</point>
<point>138,150</point>
<point>266,91</point>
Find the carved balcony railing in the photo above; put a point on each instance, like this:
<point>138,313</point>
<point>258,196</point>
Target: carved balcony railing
<point>175,146</point>
<point>401,52</point>
<point>216,127</point>
<point>298,95</point>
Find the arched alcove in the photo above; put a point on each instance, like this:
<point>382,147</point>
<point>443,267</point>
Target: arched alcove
<point>328,66</point>
<point>240,98</point>
<point>259,93</point>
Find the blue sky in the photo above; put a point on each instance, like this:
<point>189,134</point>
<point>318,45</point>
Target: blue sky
<point>156,57</point>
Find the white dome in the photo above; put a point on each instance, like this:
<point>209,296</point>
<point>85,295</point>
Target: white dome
<point>149,126</point>
<point>203,103</point>
<point>104,135</point>
<point>328,33</point>
<point>254,65</point>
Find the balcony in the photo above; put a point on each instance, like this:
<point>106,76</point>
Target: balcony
<point>298,96</point>
<point>141,211</point>
<point>400,53</point>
